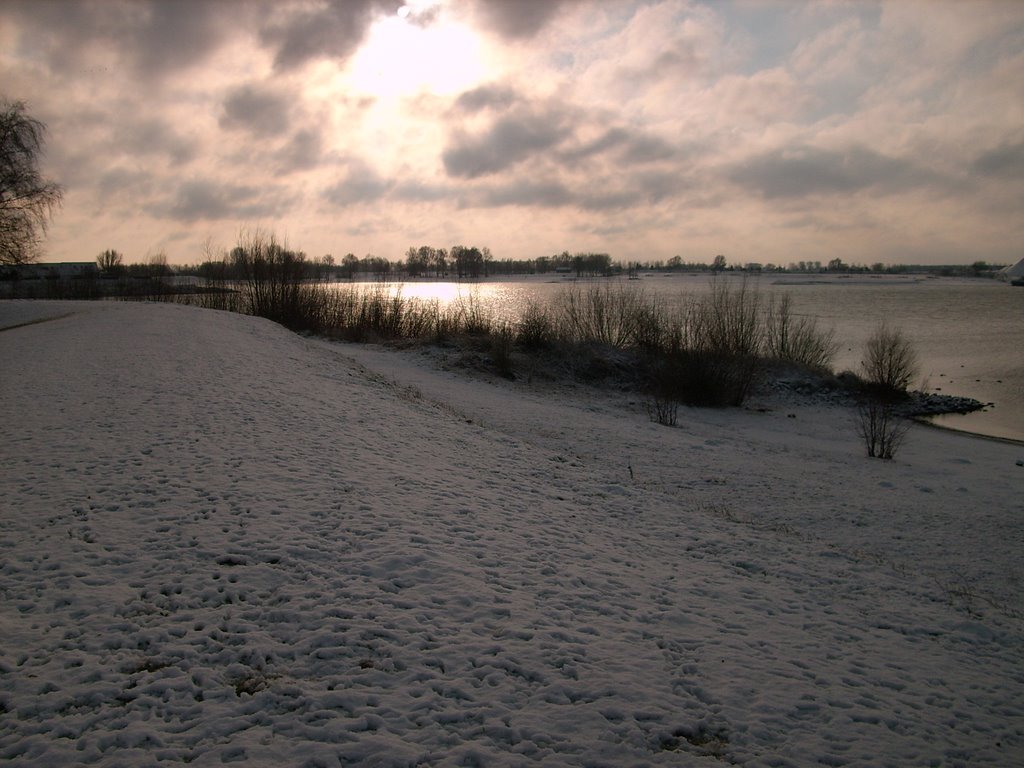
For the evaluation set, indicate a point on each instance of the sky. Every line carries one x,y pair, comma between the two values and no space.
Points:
768,132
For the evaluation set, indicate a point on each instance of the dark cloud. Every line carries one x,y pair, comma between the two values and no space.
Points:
602,194
205,200
423,17
527,192
419,192
260,111
519,19
331,30
520,129
627,146
176,35
122,183
551,166
360,184
810,171
603,200
656,185
151,137
509,141
647,149
155,37
1004,162
85,145
302,152
611,139
486,97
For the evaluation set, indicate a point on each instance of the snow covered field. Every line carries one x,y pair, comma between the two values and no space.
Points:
221,542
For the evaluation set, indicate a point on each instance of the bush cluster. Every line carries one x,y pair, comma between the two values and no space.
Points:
706,350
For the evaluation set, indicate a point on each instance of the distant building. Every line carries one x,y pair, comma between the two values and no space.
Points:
1013,272
62,270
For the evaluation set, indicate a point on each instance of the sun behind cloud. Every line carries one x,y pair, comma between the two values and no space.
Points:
402,56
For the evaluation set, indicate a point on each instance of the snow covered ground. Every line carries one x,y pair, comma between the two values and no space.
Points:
221,542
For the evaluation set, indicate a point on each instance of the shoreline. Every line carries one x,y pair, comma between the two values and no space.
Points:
44,310
926,421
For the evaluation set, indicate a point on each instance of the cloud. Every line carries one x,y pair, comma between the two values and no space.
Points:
360,184
210,200
527,192
654,58
552,153
806,171
333,30
261,111
1003,162
170,36
422,192
510,140
486,97
151,137
123,185
302,152
518,19
153,37
627,146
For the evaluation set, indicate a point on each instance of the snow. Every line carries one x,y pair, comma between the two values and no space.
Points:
224,542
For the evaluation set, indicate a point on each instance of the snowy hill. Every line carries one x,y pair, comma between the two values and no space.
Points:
223,542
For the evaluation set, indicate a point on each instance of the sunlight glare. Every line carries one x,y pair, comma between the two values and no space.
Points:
400,58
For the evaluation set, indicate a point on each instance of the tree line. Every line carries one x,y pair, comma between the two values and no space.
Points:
471,262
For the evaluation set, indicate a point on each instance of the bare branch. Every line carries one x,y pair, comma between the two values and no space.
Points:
27,200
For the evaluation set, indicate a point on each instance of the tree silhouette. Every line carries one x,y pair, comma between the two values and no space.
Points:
110,262
27,200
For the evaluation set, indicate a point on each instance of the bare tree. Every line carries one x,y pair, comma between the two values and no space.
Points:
110,261
350,265
27,200
157,264
890,361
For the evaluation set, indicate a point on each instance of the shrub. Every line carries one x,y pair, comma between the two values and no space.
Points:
664,412
711,378
601,314
720,343
501,349
474,317
441,324
881,427
665,390
728,320
890,362
653,330
535,329
889,366
798,339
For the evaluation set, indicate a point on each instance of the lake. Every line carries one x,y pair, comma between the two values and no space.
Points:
965,331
